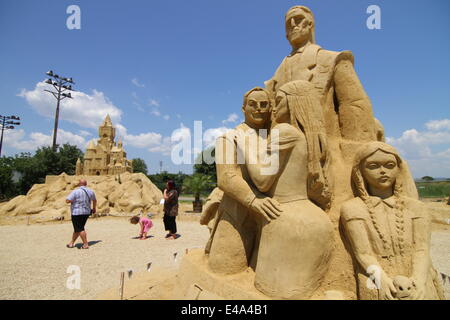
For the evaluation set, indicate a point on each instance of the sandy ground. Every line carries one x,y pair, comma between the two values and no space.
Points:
34,260
440,253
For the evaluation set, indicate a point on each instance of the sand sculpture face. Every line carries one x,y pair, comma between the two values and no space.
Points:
404,287
281,112
380,170
299,26
387,226
257,109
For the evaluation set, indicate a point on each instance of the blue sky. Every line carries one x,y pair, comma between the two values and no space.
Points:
158,66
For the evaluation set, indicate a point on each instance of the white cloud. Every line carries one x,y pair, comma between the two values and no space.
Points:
143,140
155,109
155,112
89,111
434,125
232,118
180,133
86,110
153,102
121,131
85,133
210,135
136,82
178,136
19,140
418,148
167,143
415,145
165,147
151,141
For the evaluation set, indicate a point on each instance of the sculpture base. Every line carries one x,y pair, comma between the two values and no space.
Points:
196,282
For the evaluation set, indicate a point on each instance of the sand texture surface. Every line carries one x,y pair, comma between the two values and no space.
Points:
34,260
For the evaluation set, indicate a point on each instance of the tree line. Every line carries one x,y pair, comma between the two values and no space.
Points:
20,172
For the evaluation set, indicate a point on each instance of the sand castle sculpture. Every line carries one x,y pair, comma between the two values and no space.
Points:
310,229
108,173
106,157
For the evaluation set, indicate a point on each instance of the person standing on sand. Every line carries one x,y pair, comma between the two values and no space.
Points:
170,209
80,207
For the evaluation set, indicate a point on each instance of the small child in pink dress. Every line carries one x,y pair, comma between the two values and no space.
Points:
145,224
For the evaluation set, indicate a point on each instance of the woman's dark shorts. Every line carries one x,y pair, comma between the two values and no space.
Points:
78,222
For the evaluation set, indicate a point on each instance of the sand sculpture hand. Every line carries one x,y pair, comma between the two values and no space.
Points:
387,290
419,292
267,207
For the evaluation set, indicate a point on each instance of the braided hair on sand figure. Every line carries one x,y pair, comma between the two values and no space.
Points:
361,189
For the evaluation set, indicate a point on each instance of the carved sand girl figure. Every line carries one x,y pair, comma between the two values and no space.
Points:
295,248
388,232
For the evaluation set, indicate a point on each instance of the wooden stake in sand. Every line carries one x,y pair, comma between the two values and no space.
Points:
444,277
200,289
175,257
122,284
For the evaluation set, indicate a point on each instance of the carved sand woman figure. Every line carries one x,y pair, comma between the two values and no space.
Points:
388,232
295,248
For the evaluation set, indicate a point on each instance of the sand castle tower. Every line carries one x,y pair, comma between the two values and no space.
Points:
106,156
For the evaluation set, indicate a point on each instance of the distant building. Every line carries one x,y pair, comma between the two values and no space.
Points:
106,157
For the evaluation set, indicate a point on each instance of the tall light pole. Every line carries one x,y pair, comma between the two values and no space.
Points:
6,123
60,85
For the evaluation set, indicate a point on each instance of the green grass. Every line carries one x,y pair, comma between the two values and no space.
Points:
185,201
438,189
190,195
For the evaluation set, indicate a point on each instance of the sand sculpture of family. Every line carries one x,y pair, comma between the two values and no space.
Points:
330,158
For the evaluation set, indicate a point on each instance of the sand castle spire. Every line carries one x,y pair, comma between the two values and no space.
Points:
91,145
107,121
78,167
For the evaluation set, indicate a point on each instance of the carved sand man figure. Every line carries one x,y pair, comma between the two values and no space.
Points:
346,106
295,248
347,110
389,233
242,208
